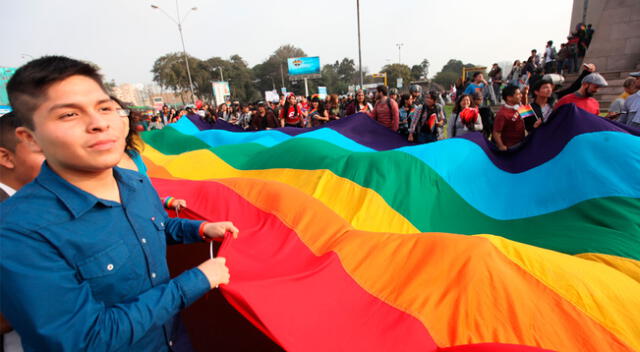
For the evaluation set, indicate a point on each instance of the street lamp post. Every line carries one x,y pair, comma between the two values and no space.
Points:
179,22
359,47
221,75
399,45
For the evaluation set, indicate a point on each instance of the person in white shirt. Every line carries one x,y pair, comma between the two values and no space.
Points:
19,165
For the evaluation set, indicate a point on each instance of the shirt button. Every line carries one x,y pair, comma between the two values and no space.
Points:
153,218
170,343
153,275
162,224
144,240
110,267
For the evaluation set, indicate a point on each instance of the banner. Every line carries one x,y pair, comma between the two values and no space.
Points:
221,91
302,66
5,75
271,96
322,92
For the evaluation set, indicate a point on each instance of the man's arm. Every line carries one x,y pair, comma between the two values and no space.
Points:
497,132
50,306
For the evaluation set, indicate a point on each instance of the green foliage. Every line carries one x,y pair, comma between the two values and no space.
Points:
395,71
446,78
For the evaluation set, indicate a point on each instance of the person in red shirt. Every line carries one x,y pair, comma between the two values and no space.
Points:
508,128
291,114
386,110
583,98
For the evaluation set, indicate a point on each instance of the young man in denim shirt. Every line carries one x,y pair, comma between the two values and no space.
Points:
84,245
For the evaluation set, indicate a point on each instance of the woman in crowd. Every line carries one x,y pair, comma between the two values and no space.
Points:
513,78
333,107
426,119
291,114
405,108
464,118
359,105
318,115
244,117
223,112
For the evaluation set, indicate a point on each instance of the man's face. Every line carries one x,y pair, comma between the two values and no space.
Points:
262,109
78,127
591,89
638,83
545,90
479,78
165,109
515,98
415,95
394,97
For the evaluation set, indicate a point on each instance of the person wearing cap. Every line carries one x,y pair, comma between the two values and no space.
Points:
583,98
416,92
393,94
631,110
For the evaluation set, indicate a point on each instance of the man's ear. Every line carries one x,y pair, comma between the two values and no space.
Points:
7,159
25,135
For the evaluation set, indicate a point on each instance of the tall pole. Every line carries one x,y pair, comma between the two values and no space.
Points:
221,75
359,47
399,45
306,88
178,22
184,52
282,75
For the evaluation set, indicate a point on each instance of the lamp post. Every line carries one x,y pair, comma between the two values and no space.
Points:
179,22
399,45
221,75
359,47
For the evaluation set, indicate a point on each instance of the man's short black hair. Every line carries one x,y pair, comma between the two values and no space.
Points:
534,50
536,86
28,85
550,42
8,124
509,91
382,89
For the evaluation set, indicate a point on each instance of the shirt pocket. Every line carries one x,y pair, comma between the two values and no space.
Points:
109,273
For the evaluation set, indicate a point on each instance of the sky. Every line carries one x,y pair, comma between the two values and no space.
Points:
125,37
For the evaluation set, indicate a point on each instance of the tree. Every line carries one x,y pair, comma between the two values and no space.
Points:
450,72
446,78
395,71
270,72
421,71
169,71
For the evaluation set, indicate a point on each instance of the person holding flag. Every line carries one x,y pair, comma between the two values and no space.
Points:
508,128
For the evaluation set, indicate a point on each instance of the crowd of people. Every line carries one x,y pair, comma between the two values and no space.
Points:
419,116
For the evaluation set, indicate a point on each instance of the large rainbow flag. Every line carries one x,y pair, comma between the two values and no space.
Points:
352,239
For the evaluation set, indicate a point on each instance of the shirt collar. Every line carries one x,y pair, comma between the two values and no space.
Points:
78,201
8,190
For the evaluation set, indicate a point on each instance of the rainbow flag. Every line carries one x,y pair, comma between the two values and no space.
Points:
351,239
526,111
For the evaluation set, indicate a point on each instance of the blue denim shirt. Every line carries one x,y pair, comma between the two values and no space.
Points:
82,273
